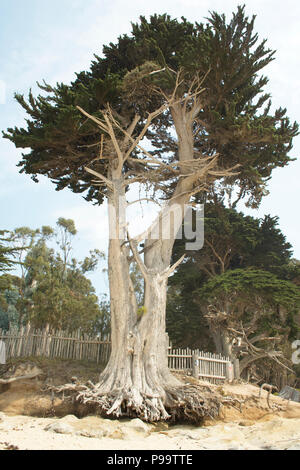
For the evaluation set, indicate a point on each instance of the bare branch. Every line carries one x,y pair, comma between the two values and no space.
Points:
114,141
138,259
144,199
135,142
93,118
130,129
108,182
172,268
216,254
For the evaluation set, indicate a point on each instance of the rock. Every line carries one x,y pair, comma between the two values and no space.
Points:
60,428
69,419
2,416
117,434
290,393
137,425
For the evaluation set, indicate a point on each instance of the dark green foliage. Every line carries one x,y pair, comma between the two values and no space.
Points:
252,301
233,243
235,119
245,285
234,240
7,253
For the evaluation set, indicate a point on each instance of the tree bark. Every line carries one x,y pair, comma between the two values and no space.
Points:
160,241
222,342
136,380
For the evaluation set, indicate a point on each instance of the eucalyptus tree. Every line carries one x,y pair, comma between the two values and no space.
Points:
194,92
7,253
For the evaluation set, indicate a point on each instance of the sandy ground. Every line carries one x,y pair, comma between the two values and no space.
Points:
255,427
246,422
91,433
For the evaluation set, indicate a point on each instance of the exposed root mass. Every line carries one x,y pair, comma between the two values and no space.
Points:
188,403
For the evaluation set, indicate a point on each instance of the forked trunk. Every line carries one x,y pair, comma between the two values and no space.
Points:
136,380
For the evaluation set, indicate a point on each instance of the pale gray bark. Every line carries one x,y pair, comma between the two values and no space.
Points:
137,372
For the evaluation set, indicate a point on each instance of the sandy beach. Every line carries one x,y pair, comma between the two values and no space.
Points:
252,426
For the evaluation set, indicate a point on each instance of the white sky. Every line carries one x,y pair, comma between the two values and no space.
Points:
52,40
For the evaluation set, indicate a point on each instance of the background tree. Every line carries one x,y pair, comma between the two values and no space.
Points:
8,255
232,241
240,253
252,316
52,289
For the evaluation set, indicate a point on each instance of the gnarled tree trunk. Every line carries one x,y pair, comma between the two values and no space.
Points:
136,380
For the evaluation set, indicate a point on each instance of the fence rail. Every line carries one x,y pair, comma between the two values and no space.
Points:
27,342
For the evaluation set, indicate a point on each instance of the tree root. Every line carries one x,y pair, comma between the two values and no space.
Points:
185,403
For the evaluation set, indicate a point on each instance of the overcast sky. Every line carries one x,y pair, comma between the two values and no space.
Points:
52,40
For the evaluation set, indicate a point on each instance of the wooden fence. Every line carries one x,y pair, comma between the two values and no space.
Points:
210,367
27,342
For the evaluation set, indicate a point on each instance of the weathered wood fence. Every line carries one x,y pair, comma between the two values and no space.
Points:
210,367
28,342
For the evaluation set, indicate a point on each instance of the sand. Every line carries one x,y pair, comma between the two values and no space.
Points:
71,433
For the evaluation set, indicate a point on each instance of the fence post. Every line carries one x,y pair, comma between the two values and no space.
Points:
2,352
229,371
195,366
236,369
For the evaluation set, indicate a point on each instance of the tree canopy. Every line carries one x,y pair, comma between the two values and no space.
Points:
234,120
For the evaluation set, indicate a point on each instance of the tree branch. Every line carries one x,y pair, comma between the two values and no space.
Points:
137,257
108,182
96,120
143,199
167,273
115,142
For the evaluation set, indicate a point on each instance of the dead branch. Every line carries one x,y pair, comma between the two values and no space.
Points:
108,182
93,118
167,273
21,377
137,257
143,199
115,142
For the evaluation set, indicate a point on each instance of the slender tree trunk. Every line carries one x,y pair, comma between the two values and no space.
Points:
222,342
